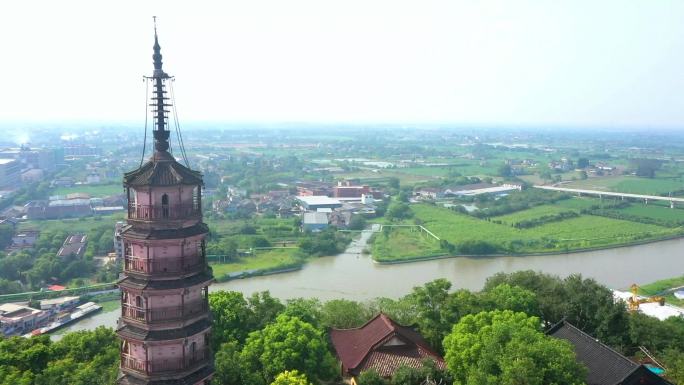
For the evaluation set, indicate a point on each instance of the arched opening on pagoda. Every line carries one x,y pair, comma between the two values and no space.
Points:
165,206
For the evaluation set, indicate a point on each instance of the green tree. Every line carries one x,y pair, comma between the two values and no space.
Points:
288,343
582,163
232,317
306,309
505,170
6,232
264,309
515,298
434,316
344,314
371,377
503,347
673,359
406,375
357,222
291,378
227,364
399,211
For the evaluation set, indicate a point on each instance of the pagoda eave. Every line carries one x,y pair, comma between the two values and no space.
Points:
134,284
133,333
197,377
162,234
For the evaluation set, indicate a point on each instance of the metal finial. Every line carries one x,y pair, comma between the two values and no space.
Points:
154,19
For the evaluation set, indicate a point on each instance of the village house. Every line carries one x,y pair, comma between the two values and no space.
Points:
24,239
314,189
314,221
383,345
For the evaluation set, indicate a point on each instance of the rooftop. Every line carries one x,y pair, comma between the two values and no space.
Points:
381,344
604,365
314,200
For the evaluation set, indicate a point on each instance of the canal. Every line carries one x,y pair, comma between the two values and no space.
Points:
354,276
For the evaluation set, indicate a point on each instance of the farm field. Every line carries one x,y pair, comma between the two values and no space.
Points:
405,179
561,236
272,228
531,214
578,203
655,212
403,243
96,191
262,260
73,224
629,184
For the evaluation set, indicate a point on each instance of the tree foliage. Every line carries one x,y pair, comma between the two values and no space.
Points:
291,378
504,347
288,343
371,377
79,358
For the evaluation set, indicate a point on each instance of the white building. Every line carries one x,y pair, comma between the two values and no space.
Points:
19,319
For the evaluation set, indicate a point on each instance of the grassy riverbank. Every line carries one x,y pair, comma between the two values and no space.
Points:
262,260
658,287
551,229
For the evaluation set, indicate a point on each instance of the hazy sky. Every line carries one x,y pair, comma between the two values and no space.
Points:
510,62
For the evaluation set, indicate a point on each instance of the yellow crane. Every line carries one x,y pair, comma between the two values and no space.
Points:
634,301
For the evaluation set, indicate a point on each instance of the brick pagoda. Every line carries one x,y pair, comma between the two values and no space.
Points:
165,324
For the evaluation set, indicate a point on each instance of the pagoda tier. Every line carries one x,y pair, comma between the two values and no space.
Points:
165,323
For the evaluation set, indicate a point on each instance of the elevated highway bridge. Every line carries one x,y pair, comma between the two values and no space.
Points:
602,194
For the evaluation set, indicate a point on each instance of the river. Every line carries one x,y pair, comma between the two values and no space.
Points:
354,276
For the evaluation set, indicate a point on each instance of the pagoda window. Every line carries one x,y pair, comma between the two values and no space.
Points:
165,206
193,351
195,197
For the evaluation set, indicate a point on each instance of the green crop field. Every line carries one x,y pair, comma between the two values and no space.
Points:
426,171
74,224
405,179
578,203
404,243
262,260
654,212
92,190
561,236
629,184
530,214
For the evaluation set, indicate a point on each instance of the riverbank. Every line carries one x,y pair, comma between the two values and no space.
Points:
463,235
665,288
550,253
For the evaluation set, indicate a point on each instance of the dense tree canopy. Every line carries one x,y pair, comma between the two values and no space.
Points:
291,378
288,343
508,348
79,358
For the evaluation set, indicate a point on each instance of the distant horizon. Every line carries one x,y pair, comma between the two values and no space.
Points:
565,63
196,124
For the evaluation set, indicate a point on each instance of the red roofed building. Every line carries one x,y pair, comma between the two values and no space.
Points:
382,345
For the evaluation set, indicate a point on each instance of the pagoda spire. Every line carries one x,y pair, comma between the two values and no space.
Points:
159,101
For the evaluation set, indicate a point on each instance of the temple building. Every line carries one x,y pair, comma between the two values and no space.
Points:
165,323
382,345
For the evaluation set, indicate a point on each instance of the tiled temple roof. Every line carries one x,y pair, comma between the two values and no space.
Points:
162,172
371,346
